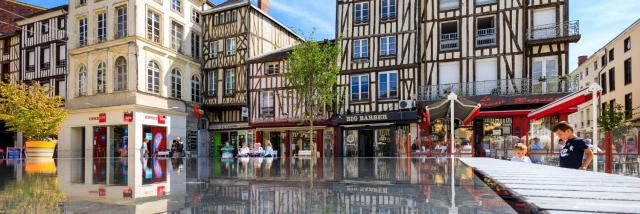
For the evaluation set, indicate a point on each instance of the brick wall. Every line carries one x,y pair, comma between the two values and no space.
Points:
16,7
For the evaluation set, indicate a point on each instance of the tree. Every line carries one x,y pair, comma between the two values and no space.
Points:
313,72
28,109
613,123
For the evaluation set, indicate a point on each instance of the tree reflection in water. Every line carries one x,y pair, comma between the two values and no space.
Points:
34,193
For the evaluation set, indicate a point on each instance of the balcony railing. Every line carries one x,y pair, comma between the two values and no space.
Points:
505,87
485,37
449,41
551,31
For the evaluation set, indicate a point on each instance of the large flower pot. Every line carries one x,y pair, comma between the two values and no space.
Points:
40,149
40,165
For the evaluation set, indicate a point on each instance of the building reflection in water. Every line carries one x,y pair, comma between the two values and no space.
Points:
268,185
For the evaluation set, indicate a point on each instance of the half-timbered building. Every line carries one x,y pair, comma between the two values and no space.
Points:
505,54
10,56
43,49
236,30
273,113
379,72
134,74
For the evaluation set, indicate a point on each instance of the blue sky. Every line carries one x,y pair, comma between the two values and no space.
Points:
600,21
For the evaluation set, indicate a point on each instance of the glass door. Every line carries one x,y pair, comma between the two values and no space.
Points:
544,76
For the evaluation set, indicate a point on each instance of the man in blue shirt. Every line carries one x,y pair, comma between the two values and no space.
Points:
575,149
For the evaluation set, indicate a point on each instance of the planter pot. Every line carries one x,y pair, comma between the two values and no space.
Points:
40,149
40,165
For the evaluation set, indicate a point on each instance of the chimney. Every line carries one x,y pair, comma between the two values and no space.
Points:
582,59
264,6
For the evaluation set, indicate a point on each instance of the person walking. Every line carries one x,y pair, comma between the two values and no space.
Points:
179,147
575,153
144,149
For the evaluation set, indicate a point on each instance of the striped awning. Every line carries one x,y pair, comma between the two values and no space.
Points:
563,104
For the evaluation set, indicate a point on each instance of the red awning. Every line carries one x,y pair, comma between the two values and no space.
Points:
503,113
564,104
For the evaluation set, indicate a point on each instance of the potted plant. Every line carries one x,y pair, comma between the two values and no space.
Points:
29,110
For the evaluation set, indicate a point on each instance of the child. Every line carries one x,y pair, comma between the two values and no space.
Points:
521,150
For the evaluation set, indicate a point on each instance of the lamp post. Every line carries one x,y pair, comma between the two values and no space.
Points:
595,89
452,98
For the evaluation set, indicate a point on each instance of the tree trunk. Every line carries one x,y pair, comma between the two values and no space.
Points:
608,142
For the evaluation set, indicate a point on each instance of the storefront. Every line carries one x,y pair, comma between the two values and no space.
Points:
107,132
376,135
295,141
235,134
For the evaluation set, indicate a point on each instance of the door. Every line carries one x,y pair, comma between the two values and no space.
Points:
448,78
544,23
544,77
486,76
365,142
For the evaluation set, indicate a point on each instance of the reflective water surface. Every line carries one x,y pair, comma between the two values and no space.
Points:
245,185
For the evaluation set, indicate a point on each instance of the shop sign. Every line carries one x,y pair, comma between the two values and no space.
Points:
372,117
101,118
128,117
13,153
351,138
228,126
496,100
162,119
160,191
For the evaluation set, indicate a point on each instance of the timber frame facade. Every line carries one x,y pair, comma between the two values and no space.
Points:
43,49
482,49
235,31
9,58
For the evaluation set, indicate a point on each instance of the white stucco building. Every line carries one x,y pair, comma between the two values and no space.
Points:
134,73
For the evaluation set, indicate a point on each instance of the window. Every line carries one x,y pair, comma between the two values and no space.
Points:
361,13
611,56
121,22
82,81
82,2
449,4
449,36
485,32
212,78
388,9
388,85
267,108
483,2
545,75
102,27
195,88
360,49
195,16
612,79
153,77
30,30
176,5
627,72
230,46
6,47
603,60
176,36
121,74
31,60
612,103
628,106
45,58
195,45
222,18
82,37
273,68
153,26
229,81
603,82
176,84
595,64
214,49
62,23
627,44
360,87
586,71
388,46
44,27
100,78
603,108
61,53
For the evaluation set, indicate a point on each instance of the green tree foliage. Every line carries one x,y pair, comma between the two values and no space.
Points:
34,193
28,109
611,118
313,71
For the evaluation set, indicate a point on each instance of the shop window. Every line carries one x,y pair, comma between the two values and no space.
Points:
350,143
118,163
99,155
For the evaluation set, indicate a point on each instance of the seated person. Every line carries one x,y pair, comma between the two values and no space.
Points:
244,151
227,150
268,151
257,150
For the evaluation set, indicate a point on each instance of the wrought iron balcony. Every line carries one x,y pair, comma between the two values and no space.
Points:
485,37
568,31
449,41
504,87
